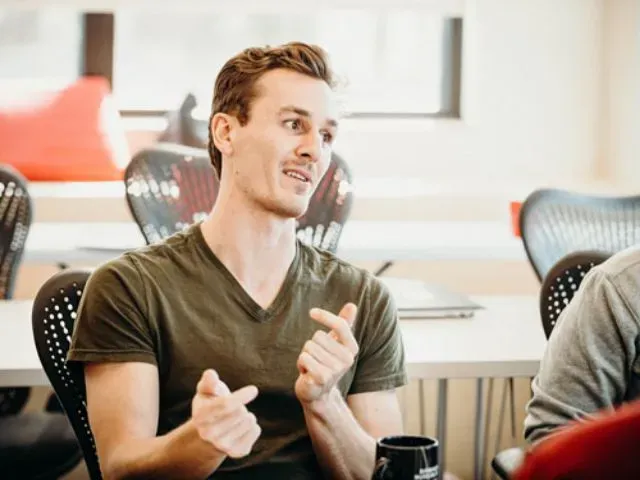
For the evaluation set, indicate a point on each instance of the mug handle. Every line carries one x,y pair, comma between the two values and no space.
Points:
379,472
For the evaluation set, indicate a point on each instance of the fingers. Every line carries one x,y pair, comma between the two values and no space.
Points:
224,421
234,436
241,439
319,373
349,313
246,394
215,410
327,351
340,327
212,431
208,382
331,345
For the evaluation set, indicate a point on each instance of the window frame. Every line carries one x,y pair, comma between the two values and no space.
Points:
98,59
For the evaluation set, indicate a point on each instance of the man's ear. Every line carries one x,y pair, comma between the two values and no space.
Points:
222,126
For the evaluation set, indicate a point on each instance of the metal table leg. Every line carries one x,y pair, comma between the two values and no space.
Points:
479,432
441,426
421,406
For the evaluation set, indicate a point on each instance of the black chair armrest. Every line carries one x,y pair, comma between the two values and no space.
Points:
507,462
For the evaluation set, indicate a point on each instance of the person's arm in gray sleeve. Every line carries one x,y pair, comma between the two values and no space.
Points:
588,359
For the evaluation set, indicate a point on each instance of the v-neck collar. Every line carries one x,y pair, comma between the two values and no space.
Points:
244,298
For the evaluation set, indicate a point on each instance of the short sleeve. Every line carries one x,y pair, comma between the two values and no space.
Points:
380,364
588,360
111,325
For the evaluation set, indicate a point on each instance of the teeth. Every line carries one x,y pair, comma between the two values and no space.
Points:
296,175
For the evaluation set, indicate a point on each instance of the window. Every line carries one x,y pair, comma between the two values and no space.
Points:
394,63
43,45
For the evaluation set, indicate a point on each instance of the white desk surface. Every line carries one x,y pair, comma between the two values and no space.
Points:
51,243
503,340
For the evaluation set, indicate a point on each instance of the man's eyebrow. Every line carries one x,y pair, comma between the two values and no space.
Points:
305,113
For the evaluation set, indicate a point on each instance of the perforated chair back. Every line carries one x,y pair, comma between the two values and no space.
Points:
562,282
16,209
555,223
329,207
53,317
168,188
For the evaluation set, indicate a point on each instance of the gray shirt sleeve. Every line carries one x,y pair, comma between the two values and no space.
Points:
590,356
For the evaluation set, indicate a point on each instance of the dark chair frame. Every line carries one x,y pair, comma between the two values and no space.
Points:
576,264
15,223
52,329
617,207
142,206
330,206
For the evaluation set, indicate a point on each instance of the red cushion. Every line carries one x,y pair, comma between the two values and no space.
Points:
605,447
74,136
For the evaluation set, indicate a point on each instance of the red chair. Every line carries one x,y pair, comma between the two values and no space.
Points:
604,447
75,135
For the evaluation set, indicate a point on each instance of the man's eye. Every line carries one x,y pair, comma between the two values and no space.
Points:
293,124
328,138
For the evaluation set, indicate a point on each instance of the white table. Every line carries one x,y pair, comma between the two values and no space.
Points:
505,339
52,243
19,362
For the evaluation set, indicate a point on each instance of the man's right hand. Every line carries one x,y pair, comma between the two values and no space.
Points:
221,417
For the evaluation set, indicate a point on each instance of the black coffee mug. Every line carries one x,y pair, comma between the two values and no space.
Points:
407,457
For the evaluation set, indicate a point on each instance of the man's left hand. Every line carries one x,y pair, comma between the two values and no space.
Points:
328,355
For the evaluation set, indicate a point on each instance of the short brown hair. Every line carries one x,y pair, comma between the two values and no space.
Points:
234,88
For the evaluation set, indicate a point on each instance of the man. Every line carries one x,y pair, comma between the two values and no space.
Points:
231,349
591,362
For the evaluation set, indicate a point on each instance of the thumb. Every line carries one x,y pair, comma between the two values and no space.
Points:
210,384
349,313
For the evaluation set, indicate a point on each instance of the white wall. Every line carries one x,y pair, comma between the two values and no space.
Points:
622,46
532,86
551,96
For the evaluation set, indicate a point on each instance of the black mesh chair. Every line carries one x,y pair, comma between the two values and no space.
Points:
37,445
183,128
562,282
329,207
54,312
168,188
16,209
558,289
554,223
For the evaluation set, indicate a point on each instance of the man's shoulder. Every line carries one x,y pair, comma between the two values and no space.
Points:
147,260
328,268
623,268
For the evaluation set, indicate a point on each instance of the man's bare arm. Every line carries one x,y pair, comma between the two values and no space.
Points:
344,434
123,407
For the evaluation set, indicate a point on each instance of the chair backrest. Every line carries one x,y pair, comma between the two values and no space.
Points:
16,209
562,282
554,223
329,207
54,312
183,128
168,188
15,220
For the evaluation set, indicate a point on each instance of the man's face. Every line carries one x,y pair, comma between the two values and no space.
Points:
283,151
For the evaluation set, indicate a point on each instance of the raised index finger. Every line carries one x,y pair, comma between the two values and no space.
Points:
340,327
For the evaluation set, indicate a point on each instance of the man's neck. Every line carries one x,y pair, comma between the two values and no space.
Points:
255,247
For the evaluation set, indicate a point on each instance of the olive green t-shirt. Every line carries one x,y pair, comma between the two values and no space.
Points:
176,306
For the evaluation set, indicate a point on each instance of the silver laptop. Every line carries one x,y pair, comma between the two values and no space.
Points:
419,300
